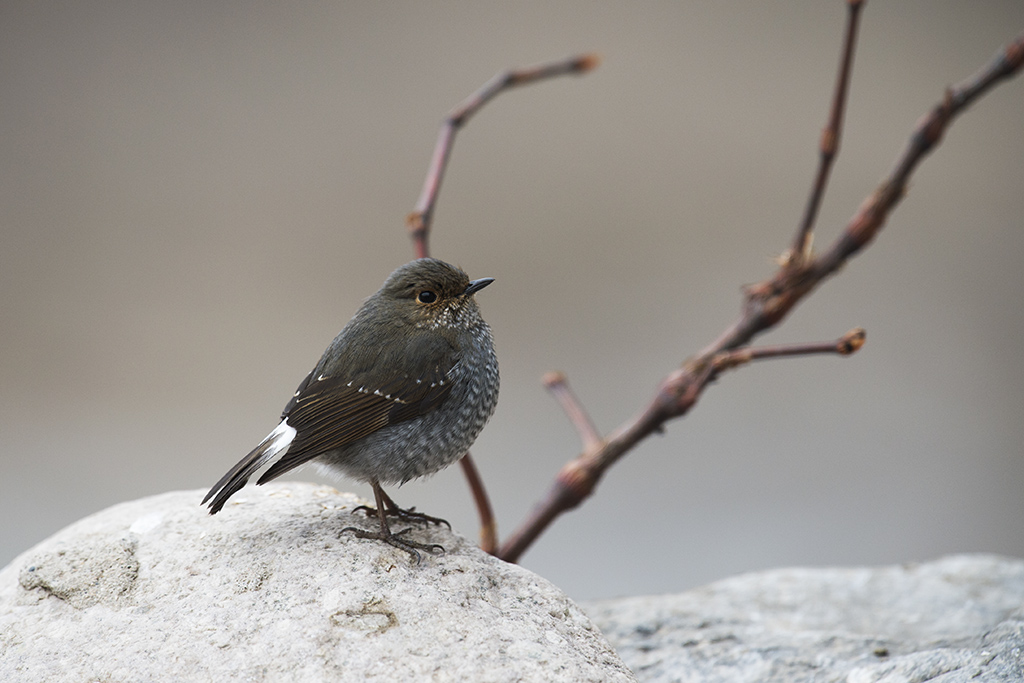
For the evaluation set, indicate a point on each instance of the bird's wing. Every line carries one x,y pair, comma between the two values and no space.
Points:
329,412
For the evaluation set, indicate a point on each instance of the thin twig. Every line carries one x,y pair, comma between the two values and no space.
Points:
765,306
420,219
488,523
848,344
829,145
558,385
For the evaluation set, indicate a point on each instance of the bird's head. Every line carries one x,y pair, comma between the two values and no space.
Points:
432,294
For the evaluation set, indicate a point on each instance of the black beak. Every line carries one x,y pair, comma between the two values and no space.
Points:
476,285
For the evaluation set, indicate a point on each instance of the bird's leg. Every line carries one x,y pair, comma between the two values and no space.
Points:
385,535
406,515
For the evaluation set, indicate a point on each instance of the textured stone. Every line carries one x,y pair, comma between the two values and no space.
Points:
156,590
957,619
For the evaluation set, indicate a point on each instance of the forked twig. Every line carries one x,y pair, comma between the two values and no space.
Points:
420,220
678,393
765,306
768,302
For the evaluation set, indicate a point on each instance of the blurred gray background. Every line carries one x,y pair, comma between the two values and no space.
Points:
195,197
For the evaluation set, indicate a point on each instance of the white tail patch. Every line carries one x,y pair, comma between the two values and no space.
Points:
276,443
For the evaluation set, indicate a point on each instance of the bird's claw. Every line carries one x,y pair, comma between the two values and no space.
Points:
394,540
405,515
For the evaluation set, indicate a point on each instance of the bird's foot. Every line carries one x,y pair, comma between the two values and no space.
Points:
406,515
396,540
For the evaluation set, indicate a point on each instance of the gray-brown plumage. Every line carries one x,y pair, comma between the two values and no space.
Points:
401,392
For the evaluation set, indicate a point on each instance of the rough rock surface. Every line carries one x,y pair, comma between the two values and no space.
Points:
156,590
957,619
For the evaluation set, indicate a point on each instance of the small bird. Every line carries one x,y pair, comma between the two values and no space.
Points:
401,392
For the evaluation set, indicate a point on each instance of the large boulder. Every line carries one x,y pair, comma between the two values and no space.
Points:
954,620
267,590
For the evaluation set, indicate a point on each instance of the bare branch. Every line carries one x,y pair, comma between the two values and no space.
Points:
847,345
558,385
420,219
829,146
678,393
766,305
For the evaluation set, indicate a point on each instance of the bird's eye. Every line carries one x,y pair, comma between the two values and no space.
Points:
426,297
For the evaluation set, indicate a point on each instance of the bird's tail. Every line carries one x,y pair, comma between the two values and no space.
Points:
276,443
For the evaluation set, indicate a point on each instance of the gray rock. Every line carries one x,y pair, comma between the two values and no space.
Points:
957,619
156,590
